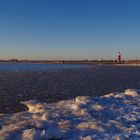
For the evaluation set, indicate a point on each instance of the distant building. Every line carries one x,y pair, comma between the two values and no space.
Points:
119,57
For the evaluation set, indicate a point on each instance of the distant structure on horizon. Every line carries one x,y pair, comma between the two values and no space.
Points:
119,58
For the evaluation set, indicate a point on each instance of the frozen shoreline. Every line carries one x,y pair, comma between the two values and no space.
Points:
115,116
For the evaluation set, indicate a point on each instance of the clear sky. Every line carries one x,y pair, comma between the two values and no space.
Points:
69,29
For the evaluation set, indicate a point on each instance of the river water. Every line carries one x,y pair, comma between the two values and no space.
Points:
17,67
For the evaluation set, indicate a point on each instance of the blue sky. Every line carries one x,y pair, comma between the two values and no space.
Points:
69,29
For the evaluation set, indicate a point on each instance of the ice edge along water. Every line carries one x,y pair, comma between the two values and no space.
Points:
115,116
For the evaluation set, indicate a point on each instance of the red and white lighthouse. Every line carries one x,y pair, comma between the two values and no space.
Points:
119,57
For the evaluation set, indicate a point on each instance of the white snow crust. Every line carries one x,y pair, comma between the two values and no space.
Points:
115,116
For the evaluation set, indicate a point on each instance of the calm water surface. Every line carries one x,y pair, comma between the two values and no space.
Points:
16,67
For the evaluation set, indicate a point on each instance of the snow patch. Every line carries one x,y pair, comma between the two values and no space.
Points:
115,116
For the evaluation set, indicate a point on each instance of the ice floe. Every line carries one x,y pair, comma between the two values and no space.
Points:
115,116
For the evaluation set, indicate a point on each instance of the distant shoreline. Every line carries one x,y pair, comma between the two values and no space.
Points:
108,62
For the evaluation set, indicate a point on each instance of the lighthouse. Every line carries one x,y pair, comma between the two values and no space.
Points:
119,58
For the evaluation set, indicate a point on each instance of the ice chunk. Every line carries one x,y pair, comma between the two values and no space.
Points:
90,125
35,106
97,107
31,134
82,99
131,92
